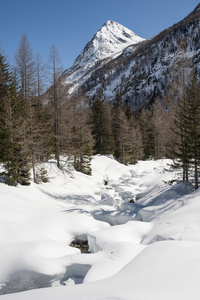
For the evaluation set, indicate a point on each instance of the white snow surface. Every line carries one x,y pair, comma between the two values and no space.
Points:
149,249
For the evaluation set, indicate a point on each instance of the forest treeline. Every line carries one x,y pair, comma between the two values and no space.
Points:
38,120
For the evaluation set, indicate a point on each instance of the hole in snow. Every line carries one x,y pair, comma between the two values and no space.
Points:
80,242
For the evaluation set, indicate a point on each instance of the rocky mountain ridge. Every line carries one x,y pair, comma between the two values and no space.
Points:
108,43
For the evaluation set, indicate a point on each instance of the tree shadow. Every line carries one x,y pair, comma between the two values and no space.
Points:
73,198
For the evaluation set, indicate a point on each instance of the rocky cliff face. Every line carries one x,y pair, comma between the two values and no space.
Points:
141,70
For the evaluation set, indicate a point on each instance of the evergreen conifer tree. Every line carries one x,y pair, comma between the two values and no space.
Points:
117,121
147,133
55,92
102,131
182,152
193,120
4,90
187,123
14,155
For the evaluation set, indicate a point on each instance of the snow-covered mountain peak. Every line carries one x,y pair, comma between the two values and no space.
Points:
111,39
117,33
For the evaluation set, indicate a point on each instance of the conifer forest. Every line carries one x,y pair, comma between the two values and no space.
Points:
39,121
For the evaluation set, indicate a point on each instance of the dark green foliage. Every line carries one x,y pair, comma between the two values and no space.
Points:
147,134
187,121
55,94
4,76
83,162
83,151
117,122
104,142
115,130
4,90
182,152
42,175
13,152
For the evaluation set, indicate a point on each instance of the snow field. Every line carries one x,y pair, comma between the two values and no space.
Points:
144,250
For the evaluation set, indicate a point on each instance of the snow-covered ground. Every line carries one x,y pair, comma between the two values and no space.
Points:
144,250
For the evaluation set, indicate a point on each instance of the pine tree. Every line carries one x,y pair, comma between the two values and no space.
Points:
55,93
14,155
4,90
82,159
118,118
182,152
135,150
38,136
187,122
146,133
193,120
102,131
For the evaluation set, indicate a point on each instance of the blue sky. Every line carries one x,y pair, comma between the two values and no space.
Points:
71,24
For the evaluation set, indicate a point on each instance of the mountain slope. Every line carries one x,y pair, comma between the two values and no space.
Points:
144,70
110,40
108,43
